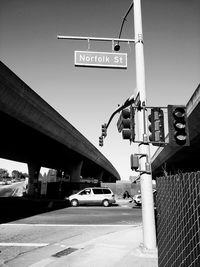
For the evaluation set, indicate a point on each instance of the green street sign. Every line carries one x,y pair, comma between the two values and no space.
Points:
100,59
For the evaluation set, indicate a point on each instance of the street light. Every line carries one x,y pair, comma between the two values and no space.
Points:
117,47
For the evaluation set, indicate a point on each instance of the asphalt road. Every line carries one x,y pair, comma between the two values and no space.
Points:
13,190
26,241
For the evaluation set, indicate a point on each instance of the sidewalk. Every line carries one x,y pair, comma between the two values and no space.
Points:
128,202
118,249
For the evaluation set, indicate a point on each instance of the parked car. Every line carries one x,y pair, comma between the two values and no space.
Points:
92,196
138,199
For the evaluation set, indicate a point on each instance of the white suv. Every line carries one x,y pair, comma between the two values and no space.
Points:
93,196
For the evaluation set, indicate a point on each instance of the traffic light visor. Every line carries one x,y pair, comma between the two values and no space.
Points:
126,134
181,136
125,113
179,112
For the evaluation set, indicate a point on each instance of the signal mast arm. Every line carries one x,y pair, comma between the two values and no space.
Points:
126,104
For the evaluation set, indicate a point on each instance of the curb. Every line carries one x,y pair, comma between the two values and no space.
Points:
102,251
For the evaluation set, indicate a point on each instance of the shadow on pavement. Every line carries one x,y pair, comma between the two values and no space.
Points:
15,208
136,207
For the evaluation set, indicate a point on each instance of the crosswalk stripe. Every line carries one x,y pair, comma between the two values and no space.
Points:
23,244
65,225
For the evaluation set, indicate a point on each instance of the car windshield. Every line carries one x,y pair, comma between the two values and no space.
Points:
85,192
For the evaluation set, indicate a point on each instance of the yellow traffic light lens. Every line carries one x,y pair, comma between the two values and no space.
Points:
126,134
179,125
181,137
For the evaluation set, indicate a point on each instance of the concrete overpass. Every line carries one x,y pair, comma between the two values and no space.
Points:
184,159
34,133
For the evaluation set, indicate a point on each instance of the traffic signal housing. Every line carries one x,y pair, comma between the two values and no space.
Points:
134,159
101,141
178,125
126,123
156,126
104,129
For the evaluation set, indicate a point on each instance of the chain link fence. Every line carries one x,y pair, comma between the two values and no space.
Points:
178,220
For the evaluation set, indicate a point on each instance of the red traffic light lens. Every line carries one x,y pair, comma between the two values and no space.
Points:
179,112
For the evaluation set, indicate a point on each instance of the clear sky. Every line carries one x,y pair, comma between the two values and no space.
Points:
86,97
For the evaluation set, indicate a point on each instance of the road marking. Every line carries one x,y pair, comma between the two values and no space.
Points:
24,244
42,263
67,225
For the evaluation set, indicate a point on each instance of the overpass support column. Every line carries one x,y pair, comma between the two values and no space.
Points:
34,170
99,175
75,172
110,179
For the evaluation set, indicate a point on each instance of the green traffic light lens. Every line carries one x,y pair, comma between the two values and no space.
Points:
181,138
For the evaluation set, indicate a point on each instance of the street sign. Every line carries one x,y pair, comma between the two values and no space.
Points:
100,59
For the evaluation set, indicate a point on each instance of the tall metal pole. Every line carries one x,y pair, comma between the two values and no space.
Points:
149,233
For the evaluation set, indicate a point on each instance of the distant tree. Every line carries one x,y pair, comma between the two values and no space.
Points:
15,174
19,175
3,174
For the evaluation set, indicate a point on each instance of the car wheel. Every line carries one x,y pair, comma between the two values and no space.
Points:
106,203
74,203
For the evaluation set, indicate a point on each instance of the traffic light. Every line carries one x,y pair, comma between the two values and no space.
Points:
101,141
178,125
126,123
156,126
134,162
104,130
